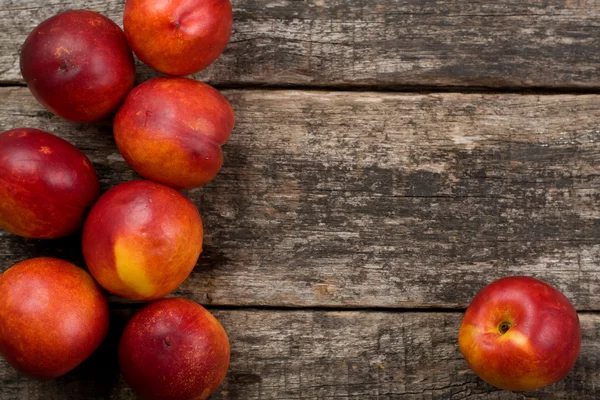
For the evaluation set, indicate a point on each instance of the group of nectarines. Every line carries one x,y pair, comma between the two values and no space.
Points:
140,239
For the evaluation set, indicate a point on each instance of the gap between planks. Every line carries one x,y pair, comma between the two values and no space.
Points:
123,304
420,89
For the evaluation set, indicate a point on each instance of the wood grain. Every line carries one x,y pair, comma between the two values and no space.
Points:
326,355
377,200
377,43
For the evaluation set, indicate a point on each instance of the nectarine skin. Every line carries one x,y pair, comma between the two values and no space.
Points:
170,130
520,334
178,37
46,184
52,317
78,65
174,349
142,239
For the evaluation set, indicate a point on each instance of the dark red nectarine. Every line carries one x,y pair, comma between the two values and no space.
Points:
142,239
78,65
46,184
178,37
52,317
174,349
170,130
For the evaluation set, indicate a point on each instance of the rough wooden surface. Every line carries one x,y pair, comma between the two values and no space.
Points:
385,43
327,355
366,200
378,200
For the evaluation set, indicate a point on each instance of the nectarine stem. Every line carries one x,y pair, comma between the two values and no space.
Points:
504,327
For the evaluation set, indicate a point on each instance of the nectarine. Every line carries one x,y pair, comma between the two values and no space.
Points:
46,184
178,37
142,239
170,130
78,65
52,317
520,334
174,349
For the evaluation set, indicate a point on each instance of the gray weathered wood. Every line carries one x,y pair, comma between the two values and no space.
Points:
327,355
386,43
378,200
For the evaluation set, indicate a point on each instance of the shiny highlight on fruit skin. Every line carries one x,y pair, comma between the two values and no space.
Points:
142,239
520,334
170,130
46,184
174,349
53,316
178,37
78,65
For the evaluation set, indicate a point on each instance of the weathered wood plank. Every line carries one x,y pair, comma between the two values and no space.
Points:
327,355
378,200
386,43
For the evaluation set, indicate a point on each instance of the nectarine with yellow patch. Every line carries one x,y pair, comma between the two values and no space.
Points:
142,239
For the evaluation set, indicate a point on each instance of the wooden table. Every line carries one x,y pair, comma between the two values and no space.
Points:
391,158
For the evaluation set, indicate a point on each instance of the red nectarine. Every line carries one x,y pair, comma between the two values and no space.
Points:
174,349
170,130
178,37
46,184
520,334
52,317
78,65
